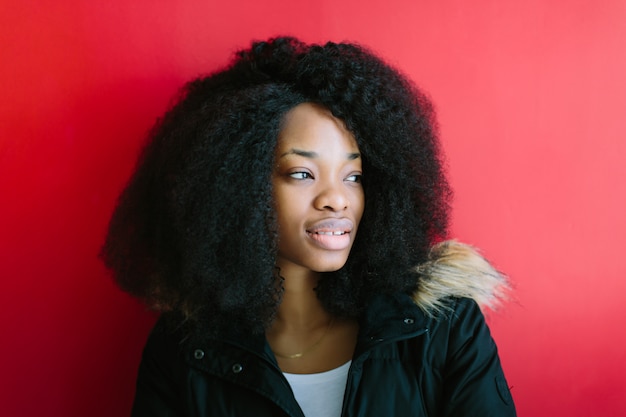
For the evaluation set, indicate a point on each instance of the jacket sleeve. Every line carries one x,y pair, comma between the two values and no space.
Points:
474,383
157,389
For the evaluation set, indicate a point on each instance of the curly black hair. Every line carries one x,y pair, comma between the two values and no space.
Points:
195,229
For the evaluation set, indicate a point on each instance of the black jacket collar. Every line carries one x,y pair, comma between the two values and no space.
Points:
387,318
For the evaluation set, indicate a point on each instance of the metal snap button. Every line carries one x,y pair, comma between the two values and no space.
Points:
237,368
198,354
409,321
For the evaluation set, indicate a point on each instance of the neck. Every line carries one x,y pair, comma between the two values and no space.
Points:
300,308
305,338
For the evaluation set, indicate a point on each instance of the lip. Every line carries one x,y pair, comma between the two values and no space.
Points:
331,234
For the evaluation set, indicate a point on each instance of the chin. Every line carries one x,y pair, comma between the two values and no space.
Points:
329,266
315,262
329,269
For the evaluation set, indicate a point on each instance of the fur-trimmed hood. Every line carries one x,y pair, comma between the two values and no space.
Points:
455,269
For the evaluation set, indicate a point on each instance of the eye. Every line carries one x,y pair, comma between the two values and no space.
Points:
300,175
354,178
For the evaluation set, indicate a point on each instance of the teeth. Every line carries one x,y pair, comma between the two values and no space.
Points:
331,233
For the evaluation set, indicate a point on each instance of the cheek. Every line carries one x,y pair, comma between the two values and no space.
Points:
288,212
359,204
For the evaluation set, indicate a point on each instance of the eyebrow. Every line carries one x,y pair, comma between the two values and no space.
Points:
312,155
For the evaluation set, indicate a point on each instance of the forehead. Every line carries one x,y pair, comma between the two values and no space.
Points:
311,125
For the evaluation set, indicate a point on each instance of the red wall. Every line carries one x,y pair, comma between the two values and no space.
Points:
531,98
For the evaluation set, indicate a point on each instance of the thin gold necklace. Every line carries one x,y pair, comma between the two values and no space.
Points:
310,348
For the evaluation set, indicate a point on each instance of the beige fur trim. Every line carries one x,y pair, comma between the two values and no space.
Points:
455,269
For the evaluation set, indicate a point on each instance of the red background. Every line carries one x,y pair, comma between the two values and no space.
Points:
531,97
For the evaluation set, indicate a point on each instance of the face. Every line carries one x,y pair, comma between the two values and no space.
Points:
317,191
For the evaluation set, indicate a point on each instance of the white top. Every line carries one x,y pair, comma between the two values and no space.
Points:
320,395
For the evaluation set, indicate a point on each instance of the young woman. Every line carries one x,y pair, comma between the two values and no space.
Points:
288,216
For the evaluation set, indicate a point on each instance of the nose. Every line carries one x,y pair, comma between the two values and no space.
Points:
332,197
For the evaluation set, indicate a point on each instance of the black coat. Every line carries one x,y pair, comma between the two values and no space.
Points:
406,363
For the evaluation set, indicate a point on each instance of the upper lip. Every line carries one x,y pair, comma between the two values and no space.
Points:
331,226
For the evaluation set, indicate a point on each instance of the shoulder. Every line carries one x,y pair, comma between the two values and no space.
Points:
161,372
461,321
398,316
167,341
465,358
